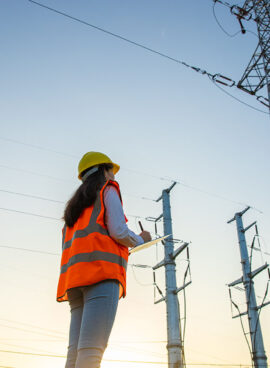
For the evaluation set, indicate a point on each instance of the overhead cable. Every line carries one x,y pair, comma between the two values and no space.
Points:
220,26
49,217
237,99
30,331
128,361
35,173
224,30
33,326
139,173
31,196
217,77
62,202
29,213
29,250
37,147
143,198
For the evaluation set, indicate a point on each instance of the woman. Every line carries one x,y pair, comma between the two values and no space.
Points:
94,259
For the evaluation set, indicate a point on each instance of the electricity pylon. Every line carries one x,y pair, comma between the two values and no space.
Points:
257,73
258,353
176,358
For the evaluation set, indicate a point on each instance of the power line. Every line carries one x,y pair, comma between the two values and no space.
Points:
143,198
237,99
29,213
29,331
29,250
25,347
125,169
31,196
32,326
66,154
220,26
113,34
127,361
38,147
62,202
52,218
224,30
35,173
219,78
217,196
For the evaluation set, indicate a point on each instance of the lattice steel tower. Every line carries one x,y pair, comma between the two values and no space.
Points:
257,73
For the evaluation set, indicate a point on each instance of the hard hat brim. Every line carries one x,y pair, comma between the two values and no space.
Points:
115,168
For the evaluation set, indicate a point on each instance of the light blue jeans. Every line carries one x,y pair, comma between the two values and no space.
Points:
93,309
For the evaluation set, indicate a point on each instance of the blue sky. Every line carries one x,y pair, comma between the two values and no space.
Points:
68,89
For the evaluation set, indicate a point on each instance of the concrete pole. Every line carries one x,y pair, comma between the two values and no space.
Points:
258,353
174,346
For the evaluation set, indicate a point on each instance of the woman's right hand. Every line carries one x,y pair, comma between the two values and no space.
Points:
146,236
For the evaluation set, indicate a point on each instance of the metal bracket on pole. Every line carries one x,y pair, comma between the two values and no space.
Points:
179,250
164,262
158,265
248,227
236,282
263,305
160,300
251,275
240,315
182,287
154,219
258,270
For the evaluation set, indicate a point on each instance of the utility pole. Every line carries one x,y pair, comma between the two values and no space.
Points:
258,353
257,73
174,336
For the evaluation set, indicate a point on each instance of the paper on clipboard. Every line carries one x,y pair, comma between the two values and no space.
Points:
148,244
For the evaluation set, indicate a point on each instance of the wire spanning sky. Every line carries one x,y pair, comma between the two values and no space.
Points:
67,89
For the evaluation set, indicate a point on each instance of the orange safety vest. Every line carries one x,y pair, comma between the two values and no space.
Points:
89,254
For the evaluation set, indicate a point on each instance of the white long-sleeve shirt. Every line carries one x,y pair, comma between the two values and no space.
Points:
115,220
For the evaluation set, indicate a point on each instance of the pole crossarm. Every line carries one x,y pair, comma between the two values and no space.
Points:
258,270
179,250
263,305
160,300
182,287
160,264
250,275
240,315
239,214
249,226
236,282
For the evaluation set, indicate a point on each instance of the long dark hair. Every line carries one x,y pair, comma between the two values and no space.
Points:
85,195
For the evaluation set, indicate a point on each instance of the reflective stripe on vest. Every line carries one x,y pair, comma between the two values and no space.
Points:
96,255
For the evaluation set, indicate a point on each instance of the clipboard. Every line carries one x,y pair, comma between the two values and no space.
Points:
148,244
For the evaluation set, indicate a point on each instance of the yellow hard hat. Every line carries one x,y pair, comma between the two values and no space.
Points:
95,158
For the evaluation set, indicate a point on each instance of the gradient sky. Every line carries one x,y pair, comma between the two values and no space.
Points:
67,89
